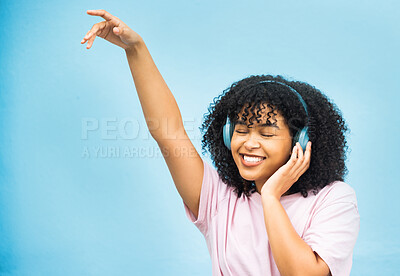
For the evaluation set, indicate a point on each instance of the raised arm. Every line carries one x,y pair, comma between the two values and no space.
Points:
159,107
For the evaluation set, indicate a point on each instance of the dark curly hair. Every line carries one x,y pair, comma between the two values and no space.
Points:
327,129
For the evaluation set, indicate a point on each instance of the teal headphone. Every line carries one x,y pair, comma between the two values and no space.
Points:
301,135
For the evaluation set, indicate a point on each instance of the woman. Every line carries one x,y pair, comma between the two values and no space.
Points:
268,208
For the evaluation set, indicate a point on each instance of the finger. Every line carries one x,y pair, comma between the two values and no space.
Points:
86,37
299,160
301,154
117,30
106,15
306,161
90,42
89,38
95,31
293,157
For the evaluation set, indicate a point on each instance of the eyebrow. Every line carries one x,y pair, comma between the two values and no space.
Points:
262,125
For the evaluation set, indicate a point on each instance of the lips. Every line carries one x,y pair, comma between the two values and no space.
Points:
252,160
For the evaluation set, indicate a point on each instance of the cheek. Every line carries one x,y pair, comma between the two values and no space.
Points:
236,142
281,148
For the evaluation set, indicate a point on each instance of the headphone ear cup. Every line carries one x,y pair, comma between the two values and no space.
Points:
302,138
227,133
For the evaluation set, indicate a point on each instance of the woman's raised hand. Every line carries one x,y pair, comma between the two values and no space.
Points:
112,30
281,181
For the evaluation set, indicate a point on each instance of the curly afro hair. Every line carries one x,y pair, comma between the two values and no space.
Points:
327,129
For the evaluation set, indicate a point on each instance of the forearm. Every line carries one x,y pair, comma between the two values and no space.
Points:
292,255
160,109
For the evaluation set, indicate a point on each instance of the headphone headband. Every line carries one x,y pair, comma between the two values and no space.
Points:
292,89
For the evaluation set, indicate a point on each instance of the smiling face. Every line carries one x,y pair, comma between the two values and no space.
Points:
261,149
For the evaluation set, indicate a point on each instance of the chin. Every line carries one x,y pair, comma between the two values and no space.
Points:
251,177
245,177
248,177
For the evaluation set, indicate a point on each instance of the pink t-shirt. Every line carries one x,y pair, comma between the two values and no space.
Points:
237,239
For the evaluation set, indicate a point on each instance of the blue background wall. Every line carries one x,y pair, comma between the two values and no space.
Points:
64,213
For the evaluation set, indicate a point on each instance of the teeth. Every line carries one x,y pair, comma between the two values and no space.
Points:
252,159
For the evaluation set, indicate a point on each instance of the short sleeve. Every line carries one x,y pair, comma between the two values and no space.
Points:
208,199
334,229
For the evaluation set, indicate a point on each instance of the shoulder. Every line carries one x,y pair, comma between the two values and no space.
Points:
210,170
338,192
215,184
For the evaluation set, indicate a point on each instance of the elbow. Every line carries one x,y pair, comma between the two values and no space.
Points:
317,269
306,273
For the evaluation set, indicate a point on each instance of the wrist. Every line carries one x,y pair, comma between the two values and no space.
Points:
268,196
135,47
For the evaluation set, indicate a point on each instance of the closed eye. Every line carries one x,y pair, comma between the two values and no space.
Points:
244,132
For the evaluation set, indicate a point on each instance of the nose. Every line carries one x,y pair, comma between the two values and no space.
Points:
252,142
